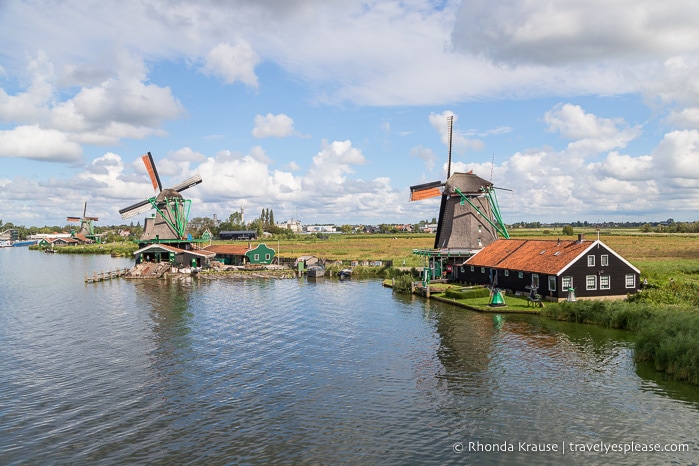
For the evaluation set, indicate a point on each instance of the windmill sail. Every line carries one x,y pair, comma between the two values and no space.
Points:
426,191
171,210
152,172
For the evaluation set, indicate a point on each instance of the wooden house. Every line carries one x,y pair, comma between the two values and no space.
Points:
234,254
261,254
552,267
175,256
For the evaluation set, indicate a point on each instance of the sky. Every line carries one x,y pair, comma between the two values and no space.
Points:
327,111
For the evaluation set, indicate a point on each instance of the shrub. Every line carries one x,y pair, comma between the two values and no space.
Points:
473,293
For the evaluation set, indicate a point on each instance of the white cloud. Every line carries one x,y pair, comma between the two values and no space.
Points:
677,154
590,133
233,63
34,142
564,31
273,126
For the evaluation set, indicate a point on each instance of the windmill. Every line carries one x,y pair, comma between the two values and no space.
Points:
86,224
469,216
171,210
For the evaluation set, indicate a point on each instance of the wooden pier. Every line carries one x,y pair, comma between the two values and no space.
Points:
102,276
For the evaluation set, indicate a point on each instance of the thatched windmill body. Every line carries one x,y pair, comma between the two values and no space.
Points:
86,224
469,216
169,224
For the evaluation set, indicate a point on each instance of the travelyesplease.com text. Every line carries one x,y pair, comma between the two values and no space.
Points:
568,447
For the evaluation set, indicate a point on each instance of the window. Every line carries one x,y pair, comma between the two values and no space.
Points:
461,269
257,257
604,282
630,281
482,269
566,283
591,282
535,280
552,283
520,275
472,269
507,273
267,256
480,243
604,260
590,260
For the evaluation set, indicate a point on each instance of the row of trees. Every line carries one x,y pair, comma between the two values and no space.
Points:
265,223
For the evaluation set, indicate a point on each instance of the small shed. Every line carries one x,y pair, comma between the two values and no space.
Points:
304,262
552,267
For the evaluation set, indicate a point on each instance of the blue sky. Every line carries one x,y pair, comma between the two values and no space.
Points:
327,111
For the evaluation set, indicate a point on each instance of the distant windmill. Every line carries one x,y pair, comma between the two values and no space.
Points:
171,209
469,216
86,223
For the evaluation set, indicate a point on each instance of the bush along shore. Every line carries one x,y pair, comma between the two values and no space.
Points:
665,319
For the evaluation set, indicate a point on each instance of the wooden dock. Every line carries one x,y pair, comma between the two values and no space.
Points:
103,276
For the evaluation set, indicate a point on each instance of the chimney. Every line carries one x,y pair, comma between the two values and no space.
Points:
581,237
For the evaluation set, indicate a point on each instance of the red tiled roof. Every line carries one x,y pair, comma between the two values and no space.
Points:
230,249
541,256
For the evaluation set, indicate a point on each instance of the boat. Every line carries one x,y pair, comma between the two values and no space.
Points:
23,243
345,273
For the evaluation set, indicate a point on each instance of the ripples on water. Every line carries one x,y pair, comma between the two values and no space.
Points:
222,371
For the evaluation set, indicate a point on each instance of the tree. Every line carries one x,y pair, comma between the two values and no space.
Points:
568,230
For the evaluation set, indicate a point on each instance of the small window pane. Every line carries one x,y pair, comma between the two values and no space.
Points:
591,282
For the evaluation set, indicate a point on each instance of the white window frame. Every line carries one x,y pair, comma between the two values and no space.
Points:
507,273
630,280
604,260
482,269
568,280
591,260
520,275
552,282
591,282
535,280
605,282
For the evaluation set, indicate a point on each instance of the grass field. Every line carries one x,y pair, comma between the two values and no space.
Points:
658,256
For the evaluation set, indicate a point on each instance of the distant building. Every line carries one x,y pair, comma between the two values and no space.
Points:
292,225
240,235
321,228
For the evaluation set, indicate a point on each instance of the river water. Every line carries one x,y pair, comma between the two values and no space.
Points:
263,371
